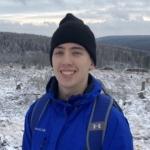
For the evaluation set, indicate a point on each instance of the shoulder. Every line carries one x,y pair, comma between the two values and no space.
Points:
37,103
117,121
29,111
118,134
117,116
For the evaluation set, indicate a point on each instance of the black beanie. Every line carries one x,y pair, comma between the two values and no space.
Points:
72,29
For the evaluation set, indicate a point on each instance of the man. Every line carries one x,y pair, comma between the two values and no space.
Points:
72,95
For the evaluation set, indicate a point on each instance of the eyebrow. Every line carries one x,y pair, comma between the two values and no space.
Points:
77,47
60,47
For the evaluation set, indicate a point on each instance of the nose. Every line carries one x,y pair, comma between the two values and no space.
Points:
67,59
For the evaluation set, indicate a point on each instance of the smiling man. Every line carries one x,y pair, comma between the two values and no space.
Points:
75,113
71,64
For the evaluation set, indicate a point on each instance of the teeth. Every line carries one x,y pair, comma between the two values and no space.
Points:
67,72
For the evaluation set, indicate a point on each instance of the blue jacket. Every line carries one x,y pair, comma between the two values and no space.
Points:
63,125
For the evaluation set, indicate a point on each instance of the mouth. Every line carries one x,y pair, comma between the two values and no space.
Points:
67,72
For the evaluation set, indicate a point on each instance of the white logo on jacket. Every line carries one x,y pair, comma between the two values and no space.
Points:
40,129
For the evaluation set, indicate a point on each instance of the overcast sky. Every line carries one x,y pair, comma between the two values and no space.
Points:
105,17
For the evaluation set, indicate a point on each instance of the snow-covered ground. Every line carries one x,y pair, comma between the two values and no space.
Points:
20,87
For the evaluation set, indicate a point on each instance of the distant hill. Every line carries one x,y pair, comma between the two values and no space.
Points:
24,48
29,49
109,56
124,51
138,42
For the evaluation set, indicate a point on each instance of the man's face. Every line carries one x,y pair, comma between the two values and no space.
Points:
71,64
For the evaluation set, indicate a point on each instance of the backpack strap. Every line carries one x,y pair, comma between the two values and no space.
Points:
98,122
38,110
105,92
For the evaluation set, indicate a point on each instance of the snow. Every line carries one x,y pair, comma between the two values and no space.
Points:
19,87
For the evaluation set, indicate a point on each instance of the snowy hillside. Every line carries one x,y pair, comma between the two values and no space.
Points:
19,87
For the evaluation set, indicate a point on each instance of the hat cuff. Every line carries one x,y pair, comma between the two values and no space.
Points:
75,33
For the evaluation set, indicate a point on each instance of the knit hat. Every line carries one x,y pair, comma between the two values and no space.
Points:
72,29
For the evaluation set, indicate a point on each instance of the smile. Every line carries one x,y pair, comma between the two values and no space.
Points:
67,72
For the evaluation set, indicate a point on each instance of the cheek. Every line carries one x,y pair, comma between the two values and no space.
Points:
85,69
88,65
55,66
55,61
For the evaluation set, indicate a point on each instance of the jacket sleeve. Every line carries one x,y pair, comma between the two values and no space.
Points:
119,135
27,134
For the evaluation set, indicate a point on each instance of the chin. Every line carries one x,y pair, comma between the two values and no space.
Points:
67,84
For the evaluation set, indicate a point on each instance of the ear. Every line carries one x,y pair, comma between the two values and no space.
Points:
92,66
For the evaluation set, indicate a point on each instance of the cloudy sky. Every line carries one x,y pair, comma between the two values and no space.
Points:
105,17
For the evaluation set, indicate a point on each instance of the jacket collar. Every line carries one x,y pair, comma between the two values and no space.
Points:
89,94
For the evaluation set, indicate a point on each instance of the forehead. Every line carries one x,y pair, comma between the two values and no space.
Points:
71,46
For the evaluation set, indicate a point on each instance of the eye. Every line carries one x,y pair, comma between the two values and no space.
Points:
77,53
58,52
